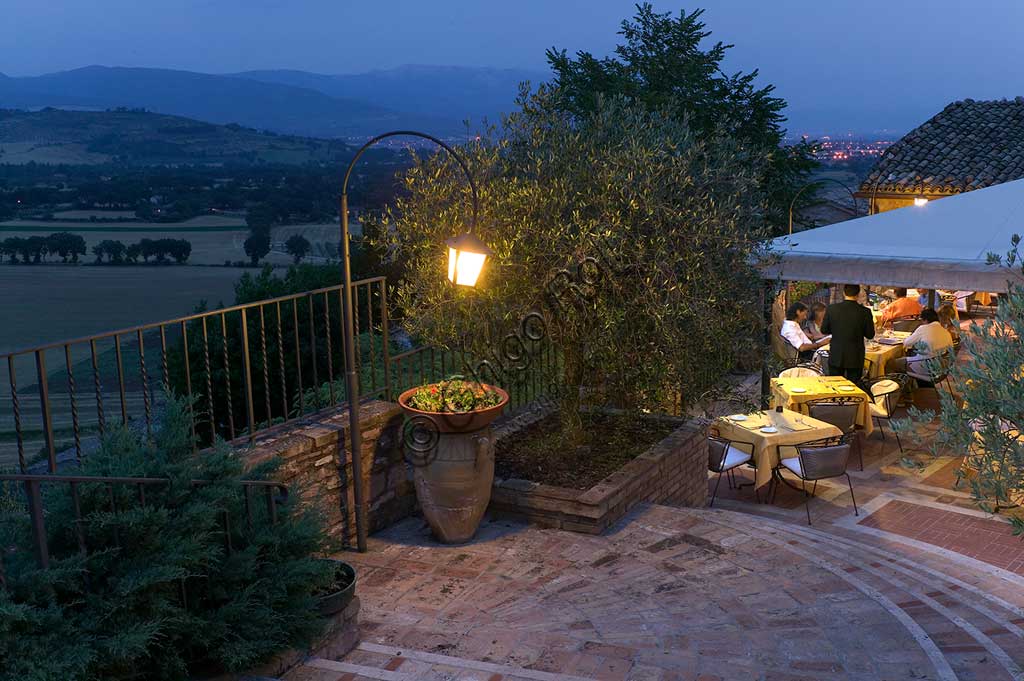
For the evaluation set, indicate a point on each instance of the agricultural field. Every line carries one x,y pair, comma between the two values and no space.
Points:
44,303
214,238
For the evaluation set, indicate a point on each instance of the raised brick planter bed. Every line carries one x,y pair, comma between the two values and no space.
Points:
674,472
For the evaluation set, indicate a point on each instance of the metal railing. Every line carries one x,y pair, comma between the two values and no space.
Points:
273,493
243,368
527,377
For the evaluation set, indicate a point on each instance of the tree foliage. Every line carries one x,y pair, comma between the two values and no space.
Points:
298,247
257,245
158,596
630,233
985,417
662,65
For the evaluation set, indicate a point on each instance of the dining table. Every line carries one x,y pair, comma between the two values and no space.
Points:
795,393
881,350
764,433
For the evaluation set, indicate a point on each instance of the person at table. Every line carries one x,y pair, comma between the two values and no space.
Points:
903,306
929,340
948,319
849,323
794,334
812,325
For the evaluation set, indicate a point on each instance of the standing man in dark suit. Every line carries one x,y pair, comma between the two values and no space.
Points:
850,323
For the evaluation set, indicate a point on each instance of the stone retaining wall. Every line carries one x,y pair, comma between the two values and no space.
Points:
673,472
314,461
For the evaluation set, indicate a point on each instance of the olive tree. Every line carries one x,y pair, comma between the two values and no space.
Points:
983,417
628,239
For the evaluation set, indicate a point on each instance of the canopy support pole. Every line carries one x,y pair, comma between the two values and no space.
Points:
767,303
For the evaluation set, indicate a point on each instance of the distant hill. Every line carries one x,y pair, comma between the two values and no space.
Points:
136,137
218,99
457,93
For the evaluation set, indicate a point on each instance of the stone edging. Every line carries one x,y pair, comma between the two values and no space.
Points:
673,471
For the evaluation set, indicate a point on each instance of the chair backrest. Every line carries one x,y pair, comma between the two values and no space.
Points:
884,391
841,412
804,370
783,349
906,325
931,368
717,448
818,463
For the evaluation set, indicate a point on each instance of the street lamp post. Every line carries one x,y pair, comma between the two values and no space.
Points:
815,183
466,257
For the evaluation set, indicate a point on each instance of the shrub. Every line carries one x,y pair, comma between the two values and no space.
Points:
986,417
159,596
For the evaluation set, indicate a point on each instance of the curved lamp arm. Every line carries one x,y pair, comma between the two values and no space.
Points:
351,380
813,184
422,135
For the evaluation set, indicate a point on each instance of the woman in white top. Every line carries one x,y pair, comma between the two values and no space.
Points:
794,334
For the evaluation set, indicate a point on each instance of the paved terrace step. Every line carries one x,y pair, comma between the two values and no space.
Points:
961,625
396,663
678,594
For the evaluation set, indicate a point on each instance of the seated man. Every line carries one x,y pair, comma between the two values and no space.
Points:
929,340
794,334
901,307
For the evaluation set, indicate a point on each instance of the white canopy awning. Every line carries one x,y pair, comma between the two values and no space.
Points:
941,245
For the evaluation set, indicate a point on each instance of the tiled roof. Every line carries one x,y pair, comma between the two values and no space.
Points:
968,145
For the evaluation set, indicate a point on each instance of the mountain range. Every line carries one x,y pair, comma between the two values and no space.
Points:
433,98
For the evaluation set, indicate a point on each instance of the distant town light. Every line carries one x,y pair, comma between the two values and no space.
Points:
920,200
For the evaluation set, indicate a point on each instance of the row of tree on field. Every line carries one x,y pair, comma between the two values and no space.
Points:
70,247
160,250
34,249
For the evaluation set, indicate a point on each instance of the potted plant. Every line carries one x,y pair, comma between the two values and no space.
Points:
449,436
335,596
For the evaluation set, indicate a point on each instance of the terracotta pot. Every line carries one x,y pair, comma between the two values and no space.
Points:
454,478
453,484
446,422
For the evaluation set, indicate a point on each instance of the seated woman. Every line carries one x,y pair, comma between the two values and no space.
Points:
812,326
795,336
948,319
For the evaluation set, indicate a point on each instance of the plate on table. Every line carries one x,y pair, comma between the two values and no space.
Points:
769,429
737,417
846,388
798,390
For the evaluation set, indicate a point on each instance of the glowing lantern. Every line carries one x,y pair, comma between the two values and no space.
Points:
920,201
466,258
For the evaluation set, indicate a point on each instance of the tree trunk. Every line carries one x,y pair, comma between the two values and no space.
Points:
569,402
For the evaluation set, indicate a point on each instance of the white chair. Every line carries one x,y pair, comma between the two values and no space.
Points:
803,370
885,392
723,457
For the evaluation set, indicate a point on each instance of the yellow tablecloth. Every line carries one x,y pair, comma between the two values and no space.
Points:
879,354
819,387
793,428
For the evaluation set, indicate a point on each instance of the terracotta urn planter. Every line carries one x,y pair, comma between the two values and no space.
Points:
454,469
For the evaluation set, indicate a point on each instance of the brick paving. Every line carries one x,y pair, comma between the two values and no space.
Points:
670,594
987,540
919,586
